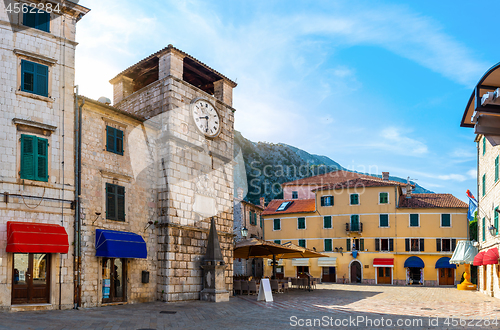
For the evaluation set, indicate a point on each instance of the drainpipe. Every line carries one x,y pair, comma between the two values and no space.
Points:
77,231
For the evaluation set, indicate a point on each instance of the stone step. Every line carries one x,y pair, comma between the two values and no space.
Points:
31,307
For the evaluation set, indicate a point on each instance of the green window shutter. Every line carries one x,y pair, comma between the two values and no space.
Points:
302,243
120,203
301,223
484,145
43,21
362,244
354,199
328,244
438,244
119,141
445,220
484,229
354,222
277,241
422,249
276,224
384,198
261,221
453,244
250,220
496,169
407,244
110,139
110,201
384,220
29,19
377,244
255,218
327,222
484,184
28,157
414,220
42,80
323,201
348,244
391,244
27,76
42,160
496,220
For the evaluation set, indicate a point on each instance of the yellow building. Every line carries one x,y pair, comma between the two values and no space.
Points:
374,231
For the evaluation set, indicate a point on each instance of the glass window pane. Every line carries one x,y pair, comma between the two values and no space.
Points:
40,264
118,278
20,268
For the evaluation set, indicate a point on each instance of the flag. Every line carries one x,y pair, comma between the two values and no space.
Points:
472,206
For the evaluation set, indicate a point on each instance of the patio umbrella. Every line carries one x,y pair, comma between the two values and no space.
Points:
464,254
258,248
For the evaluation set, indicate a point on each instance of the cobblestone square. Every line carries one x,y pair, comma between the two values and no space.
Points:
330,306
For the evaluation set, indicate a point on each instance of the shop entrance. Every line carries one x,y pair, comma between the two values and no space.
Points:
446,276
384,275
415,275
355,272
113,280
30,278
301,271
328,274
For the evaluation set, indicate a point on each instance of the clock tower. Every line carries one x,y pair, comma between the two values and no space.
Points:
189,106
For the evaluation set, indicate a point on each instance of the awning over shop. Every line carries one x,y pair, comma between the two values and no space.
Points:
119,244
28,237
491,257
327,262
300,262
464,253
415,262
383,262
444,262
478,259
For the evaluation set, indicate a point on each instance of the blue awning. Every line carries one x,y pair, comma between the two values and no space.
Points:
119,244
414,262
444,262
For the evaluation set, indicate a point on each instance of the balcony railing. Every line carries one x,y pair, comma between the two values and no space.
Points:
354,227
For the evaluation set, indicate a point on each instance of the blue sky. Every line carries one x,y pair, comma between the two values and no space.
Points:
375,85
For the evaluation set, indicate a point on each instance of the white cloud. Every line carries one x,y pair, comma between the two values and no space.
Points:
455,177
472,173
395,140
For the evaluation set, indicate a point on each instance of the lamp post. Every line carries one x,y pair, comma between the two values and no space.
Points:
244,232
493,231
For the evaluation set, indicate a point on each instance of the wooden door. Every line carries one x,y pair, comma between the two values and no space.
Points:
301,270
384,275
113,280
446,276
356,272
31,278
328,274
484,277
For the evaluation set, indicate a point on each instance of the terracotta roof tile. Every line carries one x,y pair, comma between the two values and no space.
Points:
297,206
431,201
335,177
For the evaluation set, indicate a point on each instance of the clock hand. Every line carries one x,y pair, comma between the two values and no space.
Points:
206,117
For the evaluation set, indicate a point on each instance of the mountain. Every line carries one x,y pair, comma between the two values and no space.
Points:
262,167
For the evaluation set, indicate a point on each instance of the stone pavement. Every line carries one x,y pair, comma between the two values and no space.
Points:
329,306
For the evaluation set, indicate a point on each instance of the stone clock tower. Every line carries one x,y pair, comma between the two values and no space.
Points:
189,106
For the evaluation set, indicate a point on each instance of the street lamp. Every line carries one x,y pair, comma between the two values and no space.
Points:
493,230
244,232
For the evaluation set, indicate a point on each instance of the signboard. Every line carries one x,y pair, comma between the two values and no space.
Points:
265,292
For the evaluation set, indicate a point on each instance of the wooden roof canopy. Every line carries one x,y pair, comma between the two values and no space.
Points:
195,72
489,82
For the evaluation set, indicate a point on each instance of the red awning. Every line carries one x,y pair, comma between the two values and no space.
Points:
27,237
478,259
381,262
491,257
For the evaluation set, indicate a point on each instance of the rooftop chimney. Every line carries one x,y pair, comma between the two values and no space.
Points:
408,188
262,202
385,176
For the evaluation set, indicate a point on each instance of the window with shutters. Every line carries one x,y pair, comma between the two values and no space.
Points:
327,222
383,198
36,18
302,243
445,220
301,223
348,244
277,241
115,202
484,184
354,223
34,158
445,244
383,220
384,244
495,220
484,145
34,78
414,220
295,194
114,140
328,244
358,244
414,244
484,229
261,221
277,224
354,199
326,200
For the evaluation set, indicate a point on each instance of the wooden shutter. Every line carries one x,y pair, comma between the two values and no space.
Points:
27,157
496,169
438,244
261,221
120,203
407,244
42,80
43,21
323,201
362,244
453,244
42,160
119,141
348,243
377,244
29,18
328,244
422,248
110,202
391,244
327,222
27,76
110,139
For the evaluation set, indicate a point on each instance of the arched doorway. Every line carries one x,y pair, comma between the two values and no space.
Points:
445,271
356,275
414,271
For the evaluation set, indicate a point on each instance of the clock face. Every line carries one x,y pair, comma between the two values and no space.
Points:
206,118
